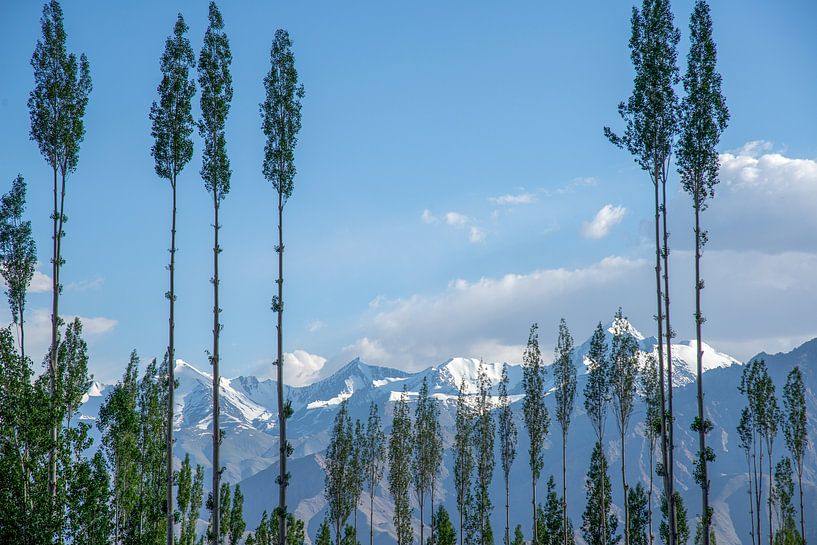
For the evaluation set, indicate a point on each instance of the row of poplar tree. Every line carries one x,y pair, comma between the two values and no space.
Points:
52,492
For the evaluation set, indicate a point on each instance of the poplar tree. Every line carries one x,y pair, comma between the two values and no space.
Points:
374,460
768,421
235,531
57,106
463,455
172,125
598,526
18,254
596,398
623,376
795,430
703,117
652,422
783,493
356,479
746,437
537,419
443,531
507,444
651,125
483,438
564,374
339,470
639,517
216,94
281,122
400,451
188,500
748,387
680,516
425,454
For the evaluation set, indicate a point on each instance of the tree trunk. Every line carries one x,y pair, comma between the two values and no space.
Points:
564,486
751,498
673,526
700,386
758,487
771,533
535,529
649,495
420,501
171,365
660,338
283,478
52,360
216,377
507,511
371,515
799,463
624,487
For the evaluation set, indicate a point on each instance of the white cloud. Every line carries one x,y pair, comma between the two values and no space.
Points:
301,367
488,317
604,220
456,219
40,283
315,325
511,200
476,234
85,285
428,217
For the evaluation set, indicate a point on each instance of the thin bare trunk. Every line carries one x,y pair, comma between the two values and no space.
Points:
751,498
216,377
660,338
700,386
535,529
564,487
52,360
673,526
283,478
625,503
771,532
507,511
649,494
799,463
171,364
371,515
758,486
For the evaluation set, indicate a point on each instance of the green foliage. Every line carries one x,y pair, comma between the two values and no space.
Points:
623,371
463,454
518,536
18,253
640,531
564,376
599,526
703,113
341,478
699,535
236,526
281,116
60,95
651,112
682,527
373,454
550,523
443,532
428,449
188,500
400,448
216,86
597,388
323,537
483,437
171,118
507,441
349,536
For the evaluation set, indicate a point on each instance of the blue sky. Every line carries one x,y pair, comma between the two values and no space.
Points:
453,184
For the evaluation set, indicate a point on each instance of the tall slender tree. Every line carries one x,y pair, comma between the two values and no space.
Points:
652,423
18,254
484,429
281,122
564,375
749,387
172,125
598,527
507,444
537,419
768,414
703,118
651,118
596,399
746,436
339,470
623,376
57,106
400,447
795,431
423,461
216,87
374,460
639,518
463,455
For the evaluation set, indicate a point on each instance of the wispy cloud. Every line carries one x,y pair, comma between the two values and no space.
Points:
514,199
456,220
603,221
476,234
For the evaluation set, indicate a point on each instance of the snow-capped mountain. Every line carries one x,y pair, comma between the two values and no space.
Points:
249,448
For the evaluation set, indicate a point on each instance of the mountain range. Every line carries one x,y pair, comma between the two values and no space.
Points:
249,448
